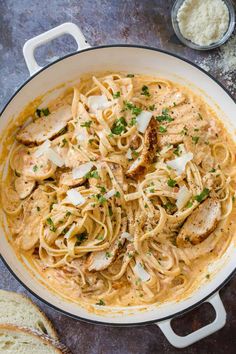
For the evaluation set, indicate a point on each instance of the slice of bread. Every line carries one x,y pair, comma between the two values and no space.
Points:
19,340
18,310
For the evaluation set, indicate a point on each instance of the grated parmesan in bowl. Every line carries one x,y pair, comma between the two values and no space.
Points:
203,24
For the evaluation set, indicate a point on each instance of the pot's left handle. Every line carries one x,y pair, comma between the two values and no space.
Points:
33,43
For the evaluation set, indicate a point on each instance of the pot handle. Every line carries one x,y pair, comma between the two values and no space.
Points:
33,43
184,341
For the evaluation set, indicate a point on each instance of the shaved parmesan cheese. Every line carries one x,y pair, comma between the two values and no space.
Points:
127,236
54,157
75,197
98,102
70,231
99,261
179,163
129,154
143,120
82,170
110,194
183,197
141,272
81,136
42,148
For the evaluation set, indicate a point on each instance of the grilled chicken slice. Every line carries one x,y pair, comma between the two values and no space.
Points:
66,179
36,207
101,260
200,224
139,166
24,186
46,127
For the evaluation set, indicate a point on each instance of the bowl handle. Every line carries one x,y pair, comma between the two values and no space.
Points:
33,43
184,341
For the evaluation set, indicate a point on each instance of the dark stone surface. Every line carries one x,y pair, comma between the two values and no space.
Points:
105,22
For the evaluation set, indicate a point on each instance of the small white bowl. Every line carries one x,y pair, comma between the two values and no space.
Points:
174,12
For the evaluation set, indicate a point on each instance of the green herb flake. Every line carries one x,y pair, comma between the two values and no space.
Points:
81,237
177,151
38,208
108,254
130,75
171,183
116,95
134,109
145,91
195,139
119,126
100,198
208,276
200,197
189,205
51,224
110,212
162,129
68,213
117,194
45,111
35,168
152,107
133,121
151,190
213,170
64,141
165,117
200,116
86,124
92,174
100,303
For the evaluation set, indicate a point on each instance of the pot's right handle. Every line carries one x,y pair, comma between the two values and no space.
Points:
33,43
184,341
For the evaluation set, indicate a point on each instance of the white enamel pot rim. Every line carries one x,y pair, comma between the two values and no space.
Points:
209,293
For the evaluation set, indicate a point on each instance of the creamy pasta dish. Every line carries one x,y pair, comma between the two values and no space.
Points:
120,192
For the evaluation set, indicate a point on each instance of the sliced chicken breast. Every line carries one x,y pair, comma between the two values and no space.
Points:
139,166
24,186
46,127
66,179
200,224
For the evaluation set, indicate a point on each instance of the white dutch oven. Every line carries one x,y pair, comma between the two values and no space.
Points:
130,59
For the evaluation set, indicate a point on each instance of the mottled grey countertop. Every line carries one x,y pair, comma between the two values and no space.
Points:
106,22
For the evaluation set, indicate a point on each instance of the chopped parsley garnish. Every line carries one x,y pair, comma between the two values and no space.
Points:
68,213
200,197
151,190
86,124
92,174
184,131
100,237
133,121
38,208
165,116
117,194
101,199
134,109
35,168
177,151
233,198
119,126
170,207
100,303
152,107
145,91
212,170
162,129
42,112
51,206
110,211
102,189
171,182
51,224
208,276
135,153
189,205
81,237
64,141
116,95
108,254
195,139
130,75
174,104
